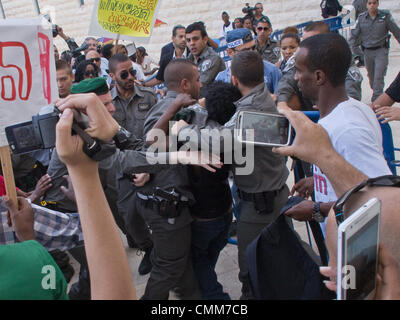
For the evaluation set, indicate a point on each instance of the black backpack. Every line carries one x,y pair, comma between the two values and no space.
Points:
280,268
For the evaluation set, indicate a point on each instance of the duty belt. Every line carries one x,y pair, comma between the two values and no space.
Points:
254,196
151,197
374,48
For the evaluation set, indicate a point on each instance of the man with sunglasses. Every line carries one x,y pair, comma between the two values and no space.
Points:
265,46
322,63
94,56
132,102
242,40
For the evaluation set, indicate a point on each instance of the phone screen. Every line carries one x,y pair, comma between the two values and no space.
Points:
265,128
361,253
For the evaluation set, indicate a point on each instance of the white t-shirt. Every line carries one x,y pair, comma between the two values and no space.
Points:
225,29
139,72
357,136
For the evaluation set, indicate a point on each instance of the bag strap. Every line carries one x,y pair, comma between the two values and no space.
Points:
320,241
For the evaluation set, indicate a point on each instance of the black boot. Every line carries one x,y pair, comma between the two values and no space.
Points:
145,265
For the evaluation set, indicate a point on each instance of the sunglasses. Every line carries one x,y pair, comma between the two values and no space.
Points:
125,74
383,181
262,28
90,73
94,60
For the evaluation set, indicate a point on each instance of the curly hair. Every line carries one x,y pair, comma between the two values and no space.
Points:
220,98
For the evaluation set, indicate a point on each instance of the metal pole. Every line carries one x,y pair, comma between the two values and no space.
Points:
36,5
2,13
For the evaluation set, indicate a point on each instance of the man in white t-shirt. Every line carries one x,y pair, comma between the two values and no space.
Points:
322,62
227,26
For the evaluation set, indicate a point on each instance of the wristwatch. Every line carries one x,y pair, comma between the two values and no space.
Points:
317,216
122,138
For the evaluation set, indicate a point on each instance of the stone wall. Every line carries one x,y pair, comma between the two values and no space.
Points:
282,13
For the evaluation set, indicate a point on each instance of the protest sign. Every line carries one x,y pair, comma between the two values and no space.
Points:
27,77
133,20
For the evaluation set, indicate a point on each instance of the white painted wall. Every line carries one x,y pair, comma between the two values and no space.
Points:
281,12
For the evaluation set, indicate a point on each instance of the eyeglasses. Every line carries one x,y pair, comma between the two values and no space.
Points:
125,74
262,28
383,181
94,60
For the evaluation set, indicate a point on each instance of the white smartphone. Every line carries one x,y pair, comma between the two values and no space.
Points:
264,129
358,238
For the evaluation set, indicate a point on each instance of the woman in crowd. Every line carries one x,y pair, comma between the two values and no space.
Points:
86,70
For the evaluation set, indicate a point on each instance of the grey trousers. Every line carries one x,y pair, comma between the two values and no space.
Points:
172,265
249,227
376,62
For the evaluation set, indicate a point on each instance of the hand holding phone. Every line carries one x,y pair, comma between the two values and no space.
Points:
263,129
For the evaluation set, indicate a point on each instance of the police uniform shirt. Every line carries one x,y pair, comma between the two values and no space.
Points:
270,51
373,32
270,171
209,64
131,113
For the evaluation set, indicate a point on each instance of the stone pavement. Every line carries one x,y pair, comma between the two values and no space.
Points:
227,267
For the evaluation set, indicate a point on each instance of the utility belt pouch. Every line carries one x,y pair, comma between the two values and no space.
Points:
264,202
168,203
167,209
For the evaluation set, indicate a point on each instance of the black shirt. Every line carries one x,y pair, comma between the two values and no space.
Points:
394,90
330,8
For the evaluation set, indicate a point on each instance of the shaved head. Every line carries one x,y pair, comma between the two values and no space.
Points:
177,70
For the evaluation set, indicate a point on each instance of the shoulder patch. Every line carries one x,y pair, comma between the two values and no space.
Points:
205,65
277,51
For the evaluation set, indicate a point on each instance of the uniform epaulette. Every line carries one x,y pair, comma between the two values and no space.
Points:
145,89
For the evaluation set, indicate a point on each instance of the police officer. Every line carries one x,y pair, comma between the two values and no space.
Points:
263,190
166,209
360,6
288,90
265,46
242,39
372,30
132,103
209,63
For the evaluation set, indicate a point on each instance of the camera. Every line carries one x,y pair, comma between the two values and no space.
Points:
40,133
250,11
77,52
54,27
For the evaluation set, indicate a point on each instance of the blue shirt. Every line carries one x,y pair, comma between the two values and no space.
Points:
272,75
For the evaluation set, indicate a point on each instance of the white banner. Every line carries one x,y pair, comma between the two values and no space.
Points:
27,70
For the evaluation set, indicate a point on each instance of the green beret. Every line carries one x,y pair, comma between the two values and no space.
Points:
96,85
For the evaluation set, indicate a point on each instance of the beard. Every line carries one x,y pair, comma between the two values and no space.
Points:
126,84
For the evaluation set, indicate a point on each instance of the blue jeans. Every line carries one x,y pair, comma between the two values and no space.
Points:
208,240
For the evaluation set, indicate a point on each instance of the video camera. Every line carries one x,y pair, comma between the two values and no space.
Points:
40,133
77,52
249,11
